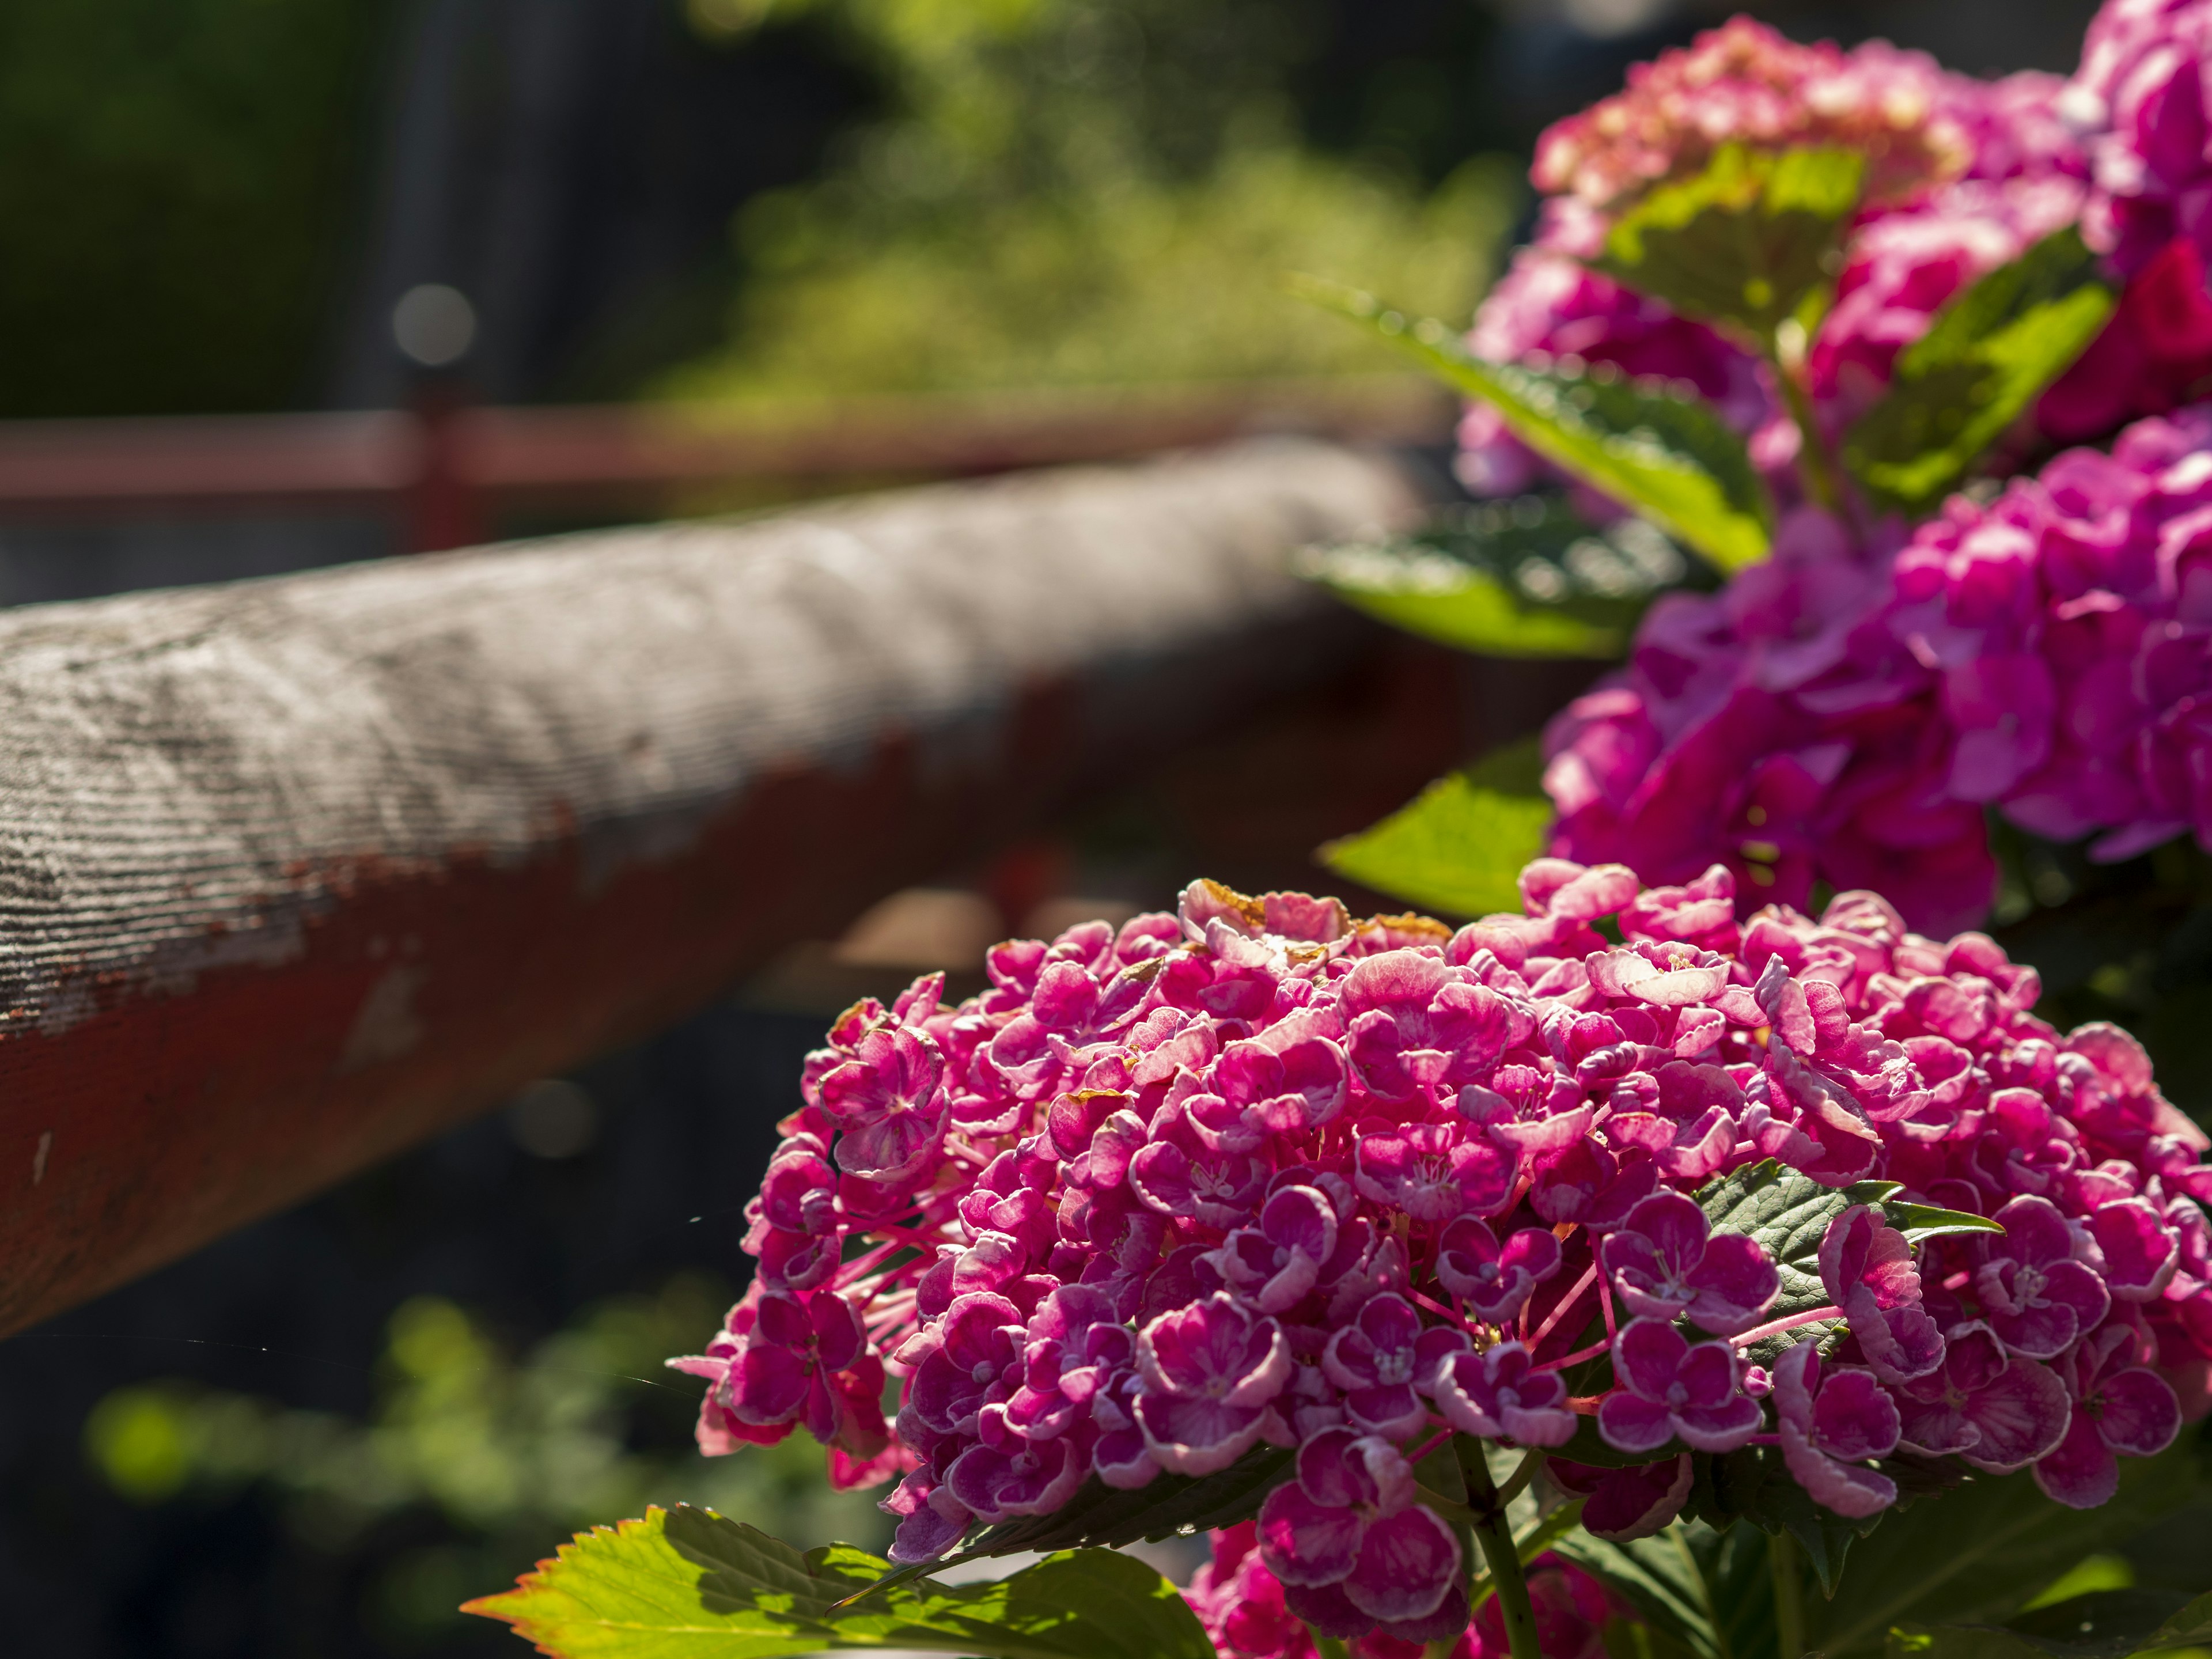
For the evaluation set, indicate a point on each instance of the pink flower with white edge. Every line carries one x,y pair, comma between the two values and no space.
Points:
2121,1408
1209,1371
1380,1359
1666,1264
1672,1388
1498,1395
1348,1520
1833,1421
1288,1253
1998,1412
2031,1291
1178,1255
1495,1280
885,1104
1625,1505
1868,1270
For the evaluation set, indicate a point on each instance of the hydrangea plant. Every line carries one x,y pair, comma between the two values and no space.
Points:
1682,1256
1440,1271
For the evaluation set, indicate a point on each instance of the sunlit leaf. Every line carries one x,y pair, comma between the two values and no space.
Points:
1459,847
1979,1554
1524,578
687,1584
1107,1518
1654,446
1788,1214
1920,1221
1701,1588
1989,355
1748,241
1754,1484
2102,1624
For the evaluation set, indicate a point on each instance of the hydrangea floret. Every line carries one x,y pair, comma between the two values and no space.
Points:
1846,711
1963,176
1257,1175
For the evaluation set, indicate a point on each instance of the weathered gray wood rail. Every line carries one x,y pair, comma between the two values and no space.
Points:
293,872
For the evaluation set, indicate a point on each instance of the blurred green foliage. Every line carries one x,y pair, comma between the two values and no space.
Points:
2129,942
178,178
1080,191
498,1452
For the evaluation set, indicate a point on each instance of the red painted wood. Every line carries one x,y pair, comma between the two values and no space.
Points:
293,872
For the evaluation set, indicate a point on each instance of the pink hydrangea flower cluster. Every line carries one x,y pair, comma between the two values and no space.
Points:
1241,1606
1744,83
1841,712
1255,1173
1963,175
2139,100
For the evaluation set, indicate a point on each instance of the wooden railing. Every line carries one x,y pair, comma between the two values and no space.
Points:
295,872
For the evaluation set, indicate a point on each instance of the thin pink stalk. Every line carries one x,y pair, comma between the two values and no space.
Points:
1576,1358
1428,1446
1559,1310
1745,1339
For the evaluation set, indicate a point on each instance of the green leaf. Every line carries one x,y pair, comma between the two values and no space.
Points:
1647,445
1099,1514
1525,578
1989,355
1979,1553
2102,1624
1788,1214
1749,240
1754,1484
1703,1588
686,1583
1920,1221
1459,847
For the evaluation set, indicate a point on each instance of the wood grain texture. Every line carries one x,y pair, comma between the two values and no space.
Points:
294,872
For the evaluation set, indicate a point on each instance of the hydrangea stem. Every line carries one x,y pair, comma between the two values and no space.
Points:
1789,1571
1328,1647
1495,1534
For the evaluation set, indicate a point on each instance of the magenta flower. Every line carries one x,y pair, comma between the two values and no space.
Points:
1180,1251
2140,1251
886,1104
1178,1175
1868,1271
1241,1603
1209,1370
2140,96
975,1362
1495,1280
1005,1473
1833,1421
1672,1388
1434,1171
1572,1609
1497,1393
792,1353
1293,1080
1349,1520
1625,1505
1591,1186
1292,1250
1664,1265
1380,1359
1998,1412
1414,1024
1077,1346
1743,82
2120,1408
2032,1292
